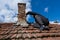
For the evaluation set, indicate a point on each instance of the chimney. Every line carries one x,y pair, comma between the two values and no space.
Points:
21,14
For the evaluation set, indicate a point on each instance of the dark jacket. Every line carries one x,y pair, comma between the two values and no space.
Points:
41,20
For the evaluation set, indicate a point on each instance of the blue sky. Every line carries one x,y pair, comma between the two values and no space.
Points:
48,8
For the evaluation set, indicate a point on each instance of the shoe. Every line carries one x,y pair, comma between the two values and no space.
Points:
44,27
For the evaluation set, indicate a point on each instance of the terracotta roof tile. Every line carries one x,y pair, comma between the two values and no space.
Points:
8,36
13,36
13,31
30,33
19,36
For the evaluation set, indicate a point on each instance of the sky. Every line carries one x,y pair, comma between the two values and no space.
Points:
48,8
9,10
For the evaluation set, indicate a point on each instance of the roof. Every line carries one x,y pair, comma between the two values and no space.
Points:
6,23
30,33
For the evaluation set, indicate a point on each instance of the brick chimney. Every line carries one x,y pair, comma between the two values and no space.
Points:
21,14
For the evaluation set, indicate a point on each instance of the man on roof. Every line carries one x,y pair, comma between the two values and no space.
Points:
39,21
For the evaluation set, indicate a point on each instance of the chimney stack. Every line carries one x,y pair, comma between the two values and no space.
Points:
21,14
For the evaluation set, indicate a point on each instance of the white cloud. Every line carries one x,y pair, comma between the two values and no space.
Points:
46,9
52,22
9,9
